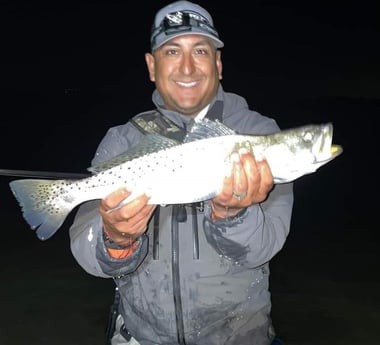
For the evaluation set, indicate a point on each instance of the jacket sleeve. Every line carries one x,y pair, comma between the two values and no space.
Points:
256,235
86,239
88,247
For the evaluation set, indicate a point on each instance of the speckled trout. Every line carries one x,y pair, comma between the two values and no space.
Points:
172,172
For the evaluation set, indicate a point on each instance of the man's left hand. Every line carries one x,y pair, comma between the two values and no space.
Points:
249,183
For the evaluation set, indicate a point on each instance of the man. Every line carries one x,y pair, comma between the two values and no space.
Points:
188,274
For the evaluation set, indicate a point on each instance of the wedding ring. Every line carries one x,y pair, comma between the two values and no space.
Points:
239,196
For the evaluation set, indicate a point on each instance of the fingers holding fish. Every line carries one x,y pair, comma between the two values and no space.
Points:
233,195
266,180
113,200
250,182
240,182
128,221
259,178
141,219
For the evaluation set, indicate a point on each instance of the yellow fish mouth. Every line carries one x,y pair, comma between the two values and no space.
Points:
336,150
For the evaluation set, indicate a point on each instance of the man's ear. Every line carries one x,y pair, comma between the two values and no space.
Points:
219,64
149,59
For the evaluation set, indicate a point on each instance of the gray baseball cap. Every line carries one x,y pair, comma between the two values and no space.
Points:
182,18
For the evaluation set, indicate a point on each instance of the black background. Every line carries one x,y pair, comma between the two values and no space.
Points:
70,70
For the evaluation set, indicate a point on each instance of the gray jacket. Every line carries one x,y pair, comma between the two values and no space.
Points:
191,280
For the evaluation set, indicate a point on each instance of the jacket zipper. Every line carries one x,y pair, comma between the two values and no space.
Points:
178,215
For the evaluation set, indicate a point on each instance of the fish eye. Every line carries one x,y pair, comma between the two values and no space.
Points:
308,136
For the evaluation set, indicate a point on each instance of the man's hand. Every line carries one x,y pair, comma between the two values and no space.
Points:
249,183
127,222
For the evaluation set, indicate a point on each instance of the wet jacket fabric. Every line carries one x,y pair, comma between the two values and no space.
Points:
191,280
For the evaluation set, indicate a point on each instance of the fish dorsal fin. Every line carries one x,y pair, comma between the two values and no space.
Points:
206,128
149,143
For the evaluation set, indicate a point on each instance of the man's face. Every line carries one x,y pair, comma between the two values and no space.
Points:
186,71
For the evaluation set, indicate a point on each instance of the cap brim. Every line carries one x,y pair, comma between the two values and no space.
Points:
217,42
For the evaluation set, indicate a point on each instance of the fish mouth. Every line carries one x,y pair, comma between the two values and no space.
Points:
335,151
322,148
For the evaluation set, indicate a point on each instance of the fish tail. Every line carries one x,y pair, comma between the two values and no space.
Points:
45,204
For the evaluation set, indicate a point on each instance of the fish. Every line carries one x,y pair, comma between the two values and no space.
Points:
175,172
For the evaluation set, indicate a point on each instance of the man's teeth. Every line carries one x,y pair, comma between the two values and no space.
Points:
186,84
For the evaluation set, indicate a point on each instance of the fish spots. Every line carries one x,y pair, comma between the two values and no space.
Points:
176,172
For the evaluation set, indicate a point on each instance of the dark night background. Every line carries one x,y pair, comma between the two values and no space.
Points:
70,70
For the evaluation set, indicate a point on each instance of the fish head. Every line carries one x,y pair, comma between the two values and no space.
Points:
303,151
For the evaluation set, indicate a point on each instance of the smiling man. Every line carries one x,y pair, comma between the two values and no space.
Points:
195,273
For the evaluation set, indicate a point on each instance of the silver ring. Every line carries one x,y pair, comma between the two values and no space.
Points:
239,196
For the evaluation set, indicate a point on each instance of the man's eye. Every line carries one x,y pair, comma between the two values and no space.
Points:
201,52
171,52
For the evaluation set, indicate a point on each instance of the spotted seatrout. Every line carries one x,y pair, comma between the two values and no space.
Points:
172,172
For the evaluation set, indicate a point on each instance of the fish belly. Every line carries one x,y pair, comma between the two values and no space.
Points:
189,176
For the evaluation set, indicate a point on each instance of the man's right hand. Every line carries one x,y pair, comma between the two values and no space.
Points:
127,222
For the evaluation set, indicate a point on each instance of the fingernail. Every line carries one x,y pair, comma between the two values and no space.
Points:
243,151
234,158
125,191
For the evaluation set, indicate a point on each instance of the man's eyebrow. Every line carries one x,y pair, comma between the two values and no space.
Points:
202,42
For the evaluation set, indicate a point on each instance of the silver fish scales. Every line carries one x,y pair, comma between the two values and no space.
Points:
172,172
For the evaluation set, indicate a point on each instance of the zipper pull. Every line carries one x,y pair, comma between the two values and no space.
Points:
200,206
